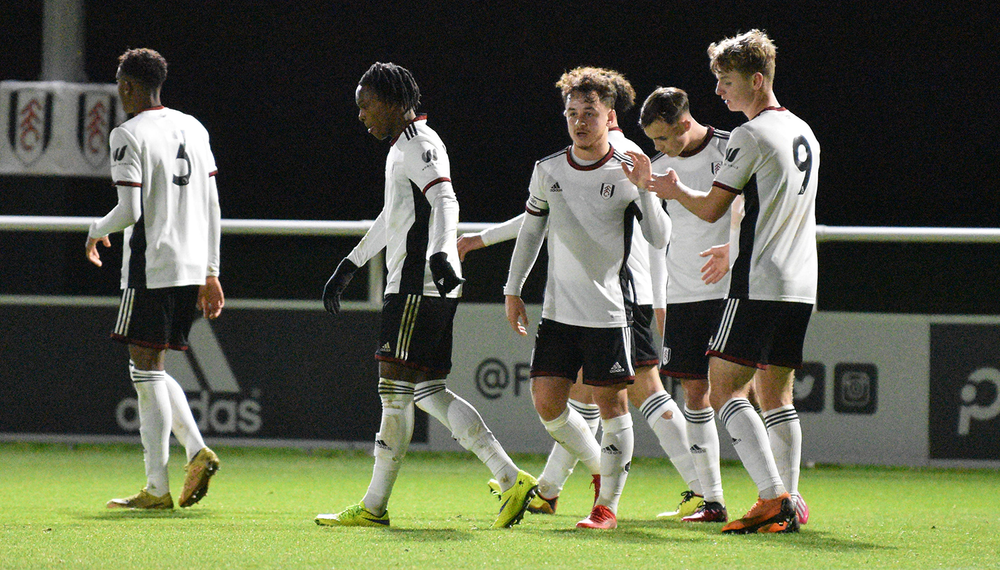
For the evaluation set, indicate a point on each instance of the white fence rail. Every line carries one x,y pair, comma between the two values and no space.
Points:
375,267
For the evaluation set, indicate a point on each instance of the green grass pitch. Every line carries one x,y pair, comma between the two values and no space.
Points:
260,508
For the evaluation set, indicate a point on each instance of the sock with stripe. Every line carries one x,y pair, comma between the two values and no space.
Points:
467,427
785,434
751,443
154,426
703,437
561,461
616,458
391,442
672,435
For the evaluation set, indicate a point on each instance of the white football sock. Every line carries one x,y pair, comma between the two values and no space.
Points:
672,434
751,443
703,436
785,433
184,427
561,462
571,431
467,427
616,458
154,426
391,442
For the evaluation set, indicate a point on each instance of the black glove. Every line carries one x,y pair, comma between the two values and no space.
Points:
443,273
336,284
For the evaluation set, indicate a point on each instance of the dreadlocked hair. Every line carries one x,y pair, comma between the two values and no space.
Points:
392,84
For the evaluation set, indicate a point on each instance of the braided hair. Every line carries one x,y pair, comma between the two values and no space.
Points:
392,84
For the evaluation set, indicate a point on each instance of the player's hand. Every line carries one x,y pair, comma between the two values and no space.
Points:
717,265
443,274
641,172
210,298
336,284
92,253
666,186
467,243
517,316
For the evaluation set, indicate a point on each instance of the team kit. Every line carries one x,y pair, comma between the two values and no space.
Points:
712,241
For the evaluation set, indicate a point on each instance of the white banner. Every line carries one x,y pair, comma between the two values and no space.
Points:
875,389
57,128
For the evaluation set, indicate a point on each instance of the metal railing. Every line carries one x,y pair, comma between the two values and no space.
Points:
377,264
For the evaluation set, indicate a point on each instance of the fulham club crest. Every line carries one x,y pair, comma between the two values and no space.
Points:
94,121
607,191
29,129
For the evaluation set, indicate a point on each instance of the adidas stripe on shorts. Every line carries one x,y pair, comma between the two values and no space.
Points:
156,318
416,332
758,333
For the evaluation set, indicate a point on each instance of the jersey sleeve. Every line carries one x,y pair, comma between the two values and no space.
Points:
740,162
538,201
426,163
504,231
126,158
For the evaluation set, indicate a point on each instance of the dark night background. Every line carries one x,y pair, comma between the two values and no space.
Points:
901,98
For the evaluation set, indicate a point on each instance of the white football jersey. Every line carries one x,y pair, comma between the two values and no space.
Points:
418,172
166,155
690,235
589,211
639,258
773,160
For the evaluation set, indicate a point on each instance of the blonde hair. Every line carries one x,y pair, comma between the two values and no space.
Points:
747,53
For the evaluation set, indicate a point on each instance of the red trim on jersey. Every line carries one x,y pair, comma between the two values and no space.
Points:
702,146
127,183
619,129
727,188
415,119
595,166
536,212
769,109
213,173
435,181
156,108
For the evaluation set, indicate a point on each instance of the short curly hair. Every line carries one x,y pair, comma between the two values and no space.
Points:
586,80
144,65
392,84
746,54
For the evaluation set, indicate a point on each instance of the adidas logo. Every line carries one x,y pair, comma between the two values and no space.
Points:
737,441
385,348
617,368
611,450
441,281
698,449
555,188
381,444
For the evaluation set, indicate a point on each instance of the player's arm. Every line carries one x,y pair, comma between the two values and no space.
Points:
210,296
709,206
373,242
526,249
655,223
123,215
504,231
529,243
443,228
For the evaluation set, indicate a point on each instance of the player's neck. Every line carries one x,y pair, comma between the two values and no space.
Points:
592,152
401,122
765,100
699,133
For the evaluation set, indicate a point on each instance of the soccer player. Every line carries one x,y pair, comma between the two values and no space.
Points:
773,161
586,203
168,207
696,152
647,393
417,229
